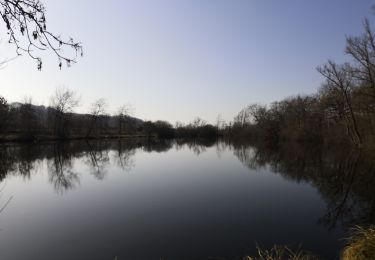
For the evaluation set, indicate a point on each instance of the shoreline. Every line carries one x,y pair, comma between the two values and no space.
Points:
46,138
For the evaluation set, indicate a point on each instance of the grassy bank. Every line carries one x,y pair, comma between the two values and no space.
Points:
361,246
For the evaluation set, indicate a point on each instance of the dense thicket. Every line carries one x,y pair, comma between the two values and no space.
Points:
343,109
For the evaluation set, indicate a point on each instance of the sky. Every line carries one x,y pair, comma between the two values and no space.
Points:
175,60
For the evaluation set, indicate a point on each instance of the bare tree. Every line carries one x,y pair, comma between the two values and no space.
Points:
27,118
219,122
122,113
251,114
63,102
26,27
243,117
98,110
340,78
257,113
198,122
362,50
4,113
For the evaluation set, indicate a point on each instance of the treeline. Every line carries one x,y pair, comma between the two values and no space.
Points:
26,122
199,128
343,109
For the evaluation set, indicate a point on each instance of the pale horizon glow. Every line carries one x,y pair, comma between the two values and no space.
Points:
175,60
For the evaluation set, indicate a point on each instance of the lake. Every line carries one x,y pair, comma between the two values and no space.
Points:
176,199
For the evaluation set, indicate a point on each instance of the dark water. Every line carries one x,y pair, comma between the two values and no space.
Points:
178,200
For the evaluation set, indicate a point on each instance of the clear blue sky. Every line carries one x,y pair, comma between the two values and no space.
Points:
175,60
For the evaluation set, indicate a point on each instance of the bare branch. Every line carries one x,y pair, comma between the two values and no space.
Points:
26,24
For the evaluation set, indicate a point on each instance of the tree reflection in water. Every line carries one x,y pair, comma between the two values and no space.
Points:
60,169
97,158
124,157
344,178
198,145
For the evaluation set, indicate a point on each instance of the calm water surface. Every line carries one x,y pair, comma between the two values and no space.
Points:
136,199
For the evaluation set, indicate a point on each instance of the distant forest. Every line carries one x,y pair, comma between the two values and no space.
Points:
342,111
27,122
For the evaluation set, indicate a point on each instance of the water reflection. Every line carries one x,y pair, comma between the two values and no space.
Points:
344,178
124,158
60,168
97,155
198,146
97,158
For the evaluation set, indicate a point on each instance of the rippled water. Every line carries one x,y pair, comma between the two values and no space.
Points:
139,199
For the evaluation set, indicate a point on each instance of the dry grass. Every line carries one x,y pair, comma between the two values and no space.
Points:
361,245
280,253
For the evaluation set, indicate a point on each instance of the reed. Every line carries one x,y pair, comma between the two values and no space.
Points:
278,252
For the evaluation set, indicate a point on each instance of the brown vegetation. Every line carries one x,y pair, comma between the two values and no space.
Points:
343,110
